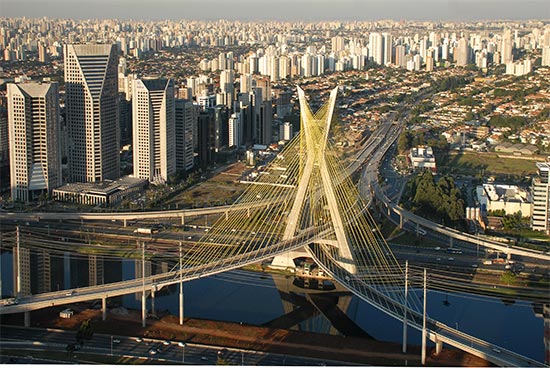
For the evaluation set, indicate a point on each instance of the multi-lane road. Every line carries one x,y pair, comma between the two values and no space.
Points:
39,339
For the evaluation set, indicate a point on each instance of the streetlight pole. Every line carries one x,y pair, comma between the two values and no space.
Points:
405,306
183,345
423,356
143,301
18,284
181,287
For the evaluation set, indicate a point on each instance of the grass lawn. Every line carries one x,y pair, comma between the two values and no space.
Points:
488,163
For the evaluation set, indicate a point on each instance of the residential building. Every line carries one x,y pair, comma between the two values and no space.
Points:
186,121
540,190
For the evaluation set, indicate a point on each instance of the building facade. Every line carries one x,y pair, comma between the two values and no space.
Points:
92,115
154,129
540,188
34,131
186,122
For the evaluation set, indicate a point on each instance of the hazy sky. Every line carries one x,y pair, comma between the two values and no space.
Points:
307,10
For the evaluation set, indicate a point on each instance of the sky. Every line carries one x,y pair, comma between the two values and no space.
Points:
281,10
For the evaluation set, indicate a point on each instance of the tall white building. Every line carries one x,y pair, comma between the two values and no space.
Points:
153,114
388,49
235,130
227,78
91,101
285,131
546,48
34,136
540,191
376,47
463,52
506,47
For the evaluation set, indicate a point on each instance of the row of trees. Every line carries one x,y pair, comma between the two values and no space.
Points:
437,201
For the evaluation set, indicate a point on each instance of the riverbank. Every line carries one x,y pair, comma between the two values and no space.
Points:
348,350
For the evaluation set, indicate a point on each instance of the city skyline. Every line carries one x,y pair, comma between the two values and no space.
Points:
299,10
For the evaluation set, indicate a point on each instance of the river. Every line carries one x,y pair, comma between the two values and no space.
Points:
255,298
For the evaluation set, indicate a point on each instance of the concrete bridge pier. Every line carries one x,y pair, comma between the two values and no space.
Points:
143,310
27,318
451,241
181,303
182,220
104,307
124,221
401,221
153,301
438,346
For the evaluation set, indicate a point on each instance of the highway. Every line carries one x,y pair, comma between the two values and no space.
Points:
157,350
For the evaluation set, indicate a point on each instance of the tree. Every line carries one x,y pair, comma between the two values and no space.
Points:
508,278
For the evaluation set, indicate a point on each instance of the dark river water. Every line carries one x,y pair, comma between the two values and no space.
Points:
257,298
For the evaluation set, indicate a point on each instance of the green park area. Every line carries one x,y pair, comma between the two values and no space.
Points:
488,163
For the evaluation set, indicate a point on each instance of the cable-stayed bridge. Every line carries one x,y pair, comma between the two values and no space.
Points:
304,201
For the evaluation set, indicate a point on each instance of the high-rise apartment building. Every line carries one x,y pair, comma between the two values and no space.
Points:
506,47
91,100
463,52
388,49
234,130
546,47
186,122
376,48
540,191
34,132
153,115
227,78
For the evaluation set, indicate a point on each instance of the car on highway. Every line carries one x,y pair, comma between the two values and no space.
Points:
139,339
166,343
70,293
116,341
153,351
450,259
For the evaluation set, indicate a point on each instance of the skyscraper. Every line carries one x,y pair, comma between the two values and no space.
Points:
153,115
91,85
227,77
375,48
463,52
540,190
388,49
186,121
235,130
546,48
506,47
34,131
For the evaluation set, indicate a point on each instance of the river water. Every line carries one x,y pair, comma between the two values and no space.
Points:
257,298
